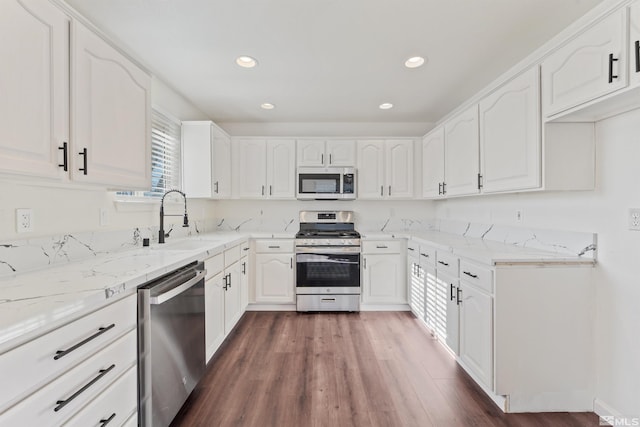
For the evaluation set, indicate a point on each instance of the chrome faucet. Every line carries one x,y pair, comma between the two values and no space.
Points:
161,234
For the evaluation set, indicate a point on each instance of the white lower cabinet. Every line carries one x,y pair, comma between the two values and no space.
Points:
274,271
383,272
416,288
223,297
55,376
476,333
114,406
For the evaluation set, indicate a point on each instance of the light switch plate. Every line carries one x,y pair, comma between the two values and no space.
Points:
634,219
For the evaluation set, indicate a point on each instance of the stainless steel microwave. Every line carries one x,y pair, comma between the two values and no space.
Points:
326,183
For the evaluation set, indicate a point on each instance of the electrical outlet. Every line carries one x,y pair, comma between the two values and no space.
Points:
519,217
634,219
24,220
104,217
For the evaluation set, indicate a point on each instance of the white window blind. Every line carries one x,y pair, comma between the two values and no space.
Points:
165,156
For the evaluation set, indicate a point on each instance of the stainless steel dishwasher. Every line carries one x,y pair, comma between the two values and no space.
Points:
171,343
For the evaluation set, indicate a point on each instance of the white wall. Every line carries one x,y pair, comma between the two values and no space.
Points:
67,208
377,129
617,274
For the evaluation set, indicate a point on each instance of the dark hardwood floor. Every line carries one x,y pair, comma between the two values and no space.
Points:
344,369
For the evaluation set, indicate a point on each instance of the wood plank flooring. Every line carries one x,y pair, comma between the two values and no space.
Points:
344,369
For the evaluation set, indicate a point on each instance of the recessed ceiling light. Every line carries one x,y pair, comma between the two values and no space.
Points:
268,106
246,61
414,62
386,106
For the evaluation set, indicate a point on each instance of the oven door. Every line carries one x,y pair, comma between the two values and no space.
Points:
322,273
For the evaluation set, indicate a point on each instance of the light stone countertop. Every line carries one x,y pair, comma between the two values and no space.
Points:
36,302
485,251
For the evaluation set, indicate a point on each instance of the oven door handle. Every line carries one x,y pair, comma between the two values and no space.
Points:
174,292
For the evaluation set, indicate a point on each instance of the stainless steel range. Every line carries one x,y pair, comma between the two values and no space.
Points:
327,262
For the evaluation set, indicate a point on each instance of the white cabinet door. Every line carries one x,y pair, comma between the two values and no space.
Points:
221,173
510,143
196,159
384,279
214,314
274,278
341,153
433,164
634,44
110,114
252,168
34,88
281,169
244,283
399,169
589,66
232,296
310,152
452,314
416,289
371,169
430,286
462,153
476,333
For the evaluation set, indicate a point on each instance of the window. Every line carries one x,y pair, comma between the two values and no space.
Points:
165,156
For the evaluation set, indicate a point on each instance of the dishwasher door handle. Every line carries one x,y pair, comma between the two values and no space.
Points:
164,297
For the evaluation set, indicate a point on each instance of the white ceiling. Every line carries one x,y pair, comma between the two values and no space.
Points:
330,60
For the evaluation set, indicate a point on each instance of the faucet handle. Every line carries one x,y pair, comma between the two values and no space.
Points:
168,232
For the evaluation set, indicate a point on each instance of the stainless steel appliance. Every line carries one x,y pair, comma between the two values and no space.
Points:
326,183
171,343
327,262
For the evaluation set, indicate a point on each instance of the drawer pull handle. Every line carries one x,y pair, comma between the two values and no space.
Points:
446,264
104,422
101,330
328,300
459,296
245,249
102,372
411,249
475,276
244,268
274,247
424,255
382,247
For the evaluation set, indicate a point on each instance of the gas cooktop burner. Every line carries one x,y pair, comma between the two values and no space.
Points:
328,234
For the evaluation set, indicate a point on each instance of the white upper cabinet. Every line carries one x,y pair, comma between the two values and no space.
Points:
589,66
326,153
341,153
281,169
385,169
111,124
510,143
34,83
433,164
461,154
206,160
371,169
634,44
265,168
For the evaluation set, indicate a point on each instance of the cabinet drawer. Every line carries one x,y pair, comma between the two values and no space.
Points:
231,255
33,364
427,255
279,246
116,403
76,388
482,277
382,246
214,265
244,249
447,262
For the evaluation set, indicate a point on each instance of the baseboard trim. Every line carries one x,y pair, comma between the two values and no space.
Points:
271,307
385,307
